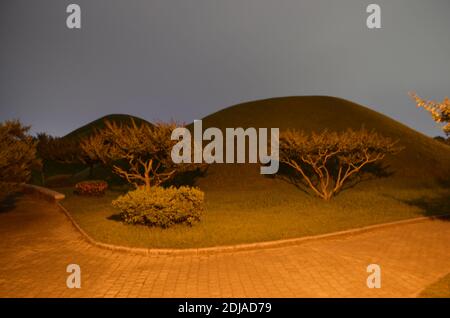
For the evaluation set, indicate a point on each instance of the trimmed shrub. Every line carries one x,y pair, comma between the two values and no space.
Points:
92,187
161,207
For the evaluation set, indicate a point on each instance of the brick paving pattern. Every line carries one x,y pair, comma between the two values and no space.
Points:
37,243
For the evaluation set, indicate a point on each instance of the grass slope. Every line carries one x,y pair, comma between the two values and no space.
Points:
253,216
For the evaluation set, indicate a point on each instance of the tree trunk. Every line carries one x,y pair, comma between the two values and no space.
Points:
147,183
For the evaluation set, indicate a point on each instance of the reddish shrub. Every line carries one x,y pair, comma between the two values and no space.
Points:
93,187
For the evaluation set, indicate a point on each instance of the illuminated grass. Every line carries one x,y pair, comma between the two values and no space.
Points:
257,216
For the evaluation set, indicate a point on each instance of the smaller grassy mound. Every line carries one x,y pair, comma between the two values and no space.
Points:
98,124
251,216
440,289
65,174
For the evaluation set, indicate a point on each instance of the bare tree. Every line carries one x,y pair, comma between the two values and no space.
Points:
327,160
93,150
145,148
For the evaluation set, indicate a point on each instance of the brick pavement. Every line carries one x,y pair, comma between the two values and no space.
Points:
37,243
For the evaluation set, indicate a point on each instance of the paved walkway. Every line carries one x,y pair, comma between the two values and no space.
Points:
37,243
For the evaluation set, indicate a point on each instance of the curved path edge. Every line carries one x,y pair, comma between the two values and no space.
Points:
54,196
420,292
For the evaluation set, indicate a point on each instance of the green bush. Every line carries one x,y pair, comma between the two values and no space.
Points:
161,206
93,187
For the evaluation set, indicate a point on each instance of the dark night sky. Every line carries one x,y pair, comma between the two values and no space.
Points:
184,59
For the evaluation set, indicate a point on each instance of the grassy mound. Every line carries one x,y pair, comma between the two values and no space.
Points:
423,162
63,174
89,128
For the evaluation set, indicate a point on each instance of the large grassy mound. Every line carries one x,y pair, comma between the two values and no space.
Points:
422,162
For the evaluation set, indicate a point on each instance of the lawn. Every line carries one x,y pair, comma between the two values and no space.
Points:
440,289
244,207
234,217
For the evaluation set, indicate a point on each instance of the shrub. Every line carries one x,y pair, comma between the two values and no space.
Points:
161,206
93,187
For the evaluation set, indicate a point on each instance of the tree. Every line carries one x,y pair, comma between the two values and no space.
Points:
17,156
44,152
57,149
327,160
71,150
93,150
440,112
145,148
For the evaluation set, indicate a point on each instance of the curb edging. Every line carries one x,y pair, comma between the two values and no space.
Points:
44,193
56,197
238,247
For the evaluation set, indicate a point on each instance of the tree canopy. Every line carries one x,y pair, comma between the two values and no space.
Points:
17,156
327,160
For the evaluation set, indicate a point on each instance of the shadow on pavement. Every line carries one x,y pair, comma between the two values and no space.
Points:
9,203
